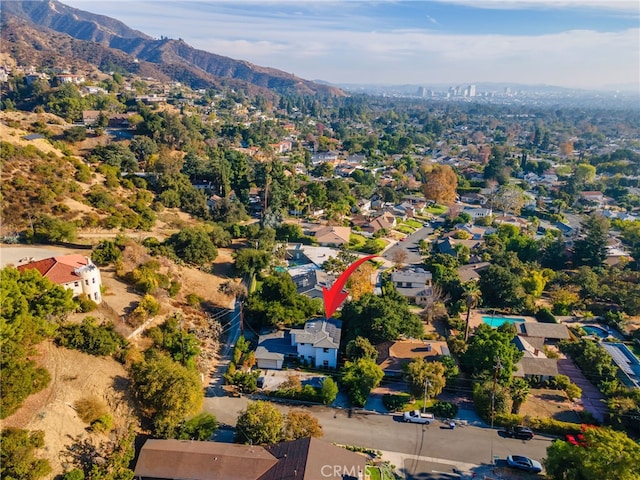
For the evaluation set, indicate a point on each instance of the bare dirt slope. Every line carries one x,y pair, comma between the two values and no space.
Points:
74,375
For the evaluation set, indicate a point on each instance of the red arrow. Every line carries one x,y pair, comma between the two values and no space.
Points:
334,297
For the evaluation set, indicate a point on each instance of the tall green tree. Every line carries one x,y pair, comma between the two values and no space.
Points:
486,345
591,248
168,392
360,347
193,245
360,377
426,377
606,455
18,460
260,423
380,318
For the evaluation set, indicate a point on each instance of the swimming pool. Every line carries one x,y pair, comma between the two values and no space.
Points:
595,330
497,321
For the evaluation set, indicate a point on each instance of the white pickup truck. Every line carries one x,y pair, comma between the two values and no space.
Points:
416,417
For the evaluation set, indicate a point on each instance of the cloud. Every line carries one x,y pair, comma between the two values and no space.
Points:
628,6
313,41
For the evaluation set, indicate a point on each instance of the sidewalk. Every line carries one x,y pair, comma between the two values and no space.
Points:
465,471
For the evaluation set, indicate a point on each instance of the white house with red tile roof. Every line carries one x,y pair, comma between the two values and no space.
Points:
75,272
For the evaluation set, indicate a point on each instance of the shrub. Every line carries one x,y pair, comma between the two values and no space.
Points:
544,315
194,300
328,391
103,423
395,402
546,425
201,427
91,338
444,409
85,304
174,288
90,409
75,474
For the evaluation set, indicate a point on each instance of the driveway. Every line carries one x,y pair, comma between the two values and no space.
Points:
592,400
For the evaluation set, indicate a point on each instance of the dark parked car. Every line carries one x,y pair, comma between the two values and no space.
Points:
524,463
523,433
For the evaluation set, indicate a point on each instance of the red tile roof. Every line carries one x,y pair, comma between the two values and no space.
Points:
59,270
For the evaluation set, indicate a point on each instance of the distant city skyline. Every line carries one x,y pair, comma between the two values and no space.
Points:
575,44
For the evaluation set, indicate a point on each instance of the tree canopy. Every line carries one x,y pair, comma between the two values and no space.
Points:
168,392
380,318
605,455
440,185
360,377
486,345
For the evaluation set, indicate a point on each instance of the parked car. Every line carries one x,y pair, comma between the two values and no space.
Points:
524,463
523,433
416,416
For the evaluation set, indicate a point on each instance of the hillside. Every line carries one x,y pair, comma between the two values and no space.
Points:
173,58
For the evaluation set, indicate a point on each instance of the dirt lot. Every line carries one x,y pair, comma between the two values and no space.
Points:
74,375
547,403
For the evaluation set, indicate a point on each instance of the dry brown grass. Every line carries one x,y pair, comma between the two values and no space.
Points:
548,403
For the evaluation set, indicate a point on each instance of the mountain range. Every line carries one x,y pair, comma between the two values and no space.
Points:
47,32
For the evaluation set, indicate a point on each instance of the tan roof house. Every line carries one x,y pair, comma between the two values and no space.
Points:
332,236
393,355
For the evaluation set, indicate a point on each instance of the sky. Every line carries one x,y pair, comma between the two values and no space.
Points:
579,44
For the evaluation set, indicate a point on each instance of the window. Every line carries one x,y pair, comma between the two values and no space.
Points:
86,282
325,350
325,363
95,295
76,284
93,280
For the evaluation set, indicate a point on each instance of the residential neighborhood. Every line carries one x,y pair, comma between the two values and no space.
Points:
180,297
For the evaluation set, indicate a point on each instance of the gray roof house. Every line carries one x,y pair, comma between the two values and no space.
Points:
413,284
318,342
534,362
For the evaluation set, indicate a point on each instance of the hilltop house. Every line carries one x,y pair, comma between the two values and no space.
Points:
75,272
305,458
317,344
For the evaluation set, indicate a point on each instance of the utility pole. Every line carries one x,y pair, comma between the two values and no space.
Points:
493,390
426,387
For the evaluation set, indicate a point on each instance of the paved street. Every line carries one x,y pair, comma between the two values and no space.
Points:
410,245
462,446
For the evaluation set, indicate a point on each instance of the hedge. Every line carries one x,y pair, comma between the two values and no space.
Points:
546,425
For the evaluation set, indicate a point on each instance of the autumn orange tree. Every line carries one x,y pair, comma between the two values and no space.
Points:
440,185
359,282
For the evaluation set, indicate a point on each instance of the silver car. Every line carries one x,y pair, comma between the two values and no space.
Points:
524,463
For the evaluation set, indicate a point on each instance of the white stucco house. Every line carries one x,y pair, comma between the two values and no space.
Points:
318,342
75,272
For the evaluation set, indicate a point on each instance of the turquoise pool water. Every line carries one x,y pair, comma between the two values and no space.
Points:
497,321
594,330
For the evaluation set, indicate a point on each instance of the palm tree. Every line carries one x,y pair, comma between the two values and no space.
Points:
472,297
519,390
